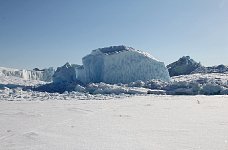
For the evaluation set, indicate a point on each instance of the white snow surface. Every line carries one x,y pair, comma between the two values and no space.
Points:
120,64
131,123
45,75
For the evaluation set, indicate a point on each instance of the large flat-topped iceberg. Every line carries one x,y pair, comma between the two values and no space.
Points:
120,64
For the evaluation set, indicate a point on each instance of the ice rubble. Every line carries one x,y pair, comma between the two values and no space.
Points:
42,75
18,94
195,84
102,88
206,84
115,64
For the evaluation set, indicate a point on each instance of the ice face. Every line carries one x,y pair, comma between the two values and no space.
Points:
93,68
129,66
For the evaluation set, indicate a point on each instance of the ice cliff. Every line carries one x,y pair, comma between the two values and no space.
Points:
42,75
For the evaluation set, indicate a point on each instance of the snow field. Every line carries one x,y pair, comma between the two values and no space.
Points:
139,122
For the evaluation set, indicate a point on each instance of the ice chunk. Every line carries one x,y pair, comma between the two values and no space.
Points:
66,73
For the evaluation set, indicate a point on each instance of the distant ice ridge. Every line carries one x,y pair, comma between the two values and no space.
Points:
185,66
115,64
42,75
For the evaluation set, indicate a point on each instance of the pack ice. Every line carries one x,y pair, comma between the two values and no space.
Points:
115,64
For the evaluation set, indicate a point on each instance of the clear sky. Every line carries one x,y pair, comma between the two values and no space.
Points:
43,33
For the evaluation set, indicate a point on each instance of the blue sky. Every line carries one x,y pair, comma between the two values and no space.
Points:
43,33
